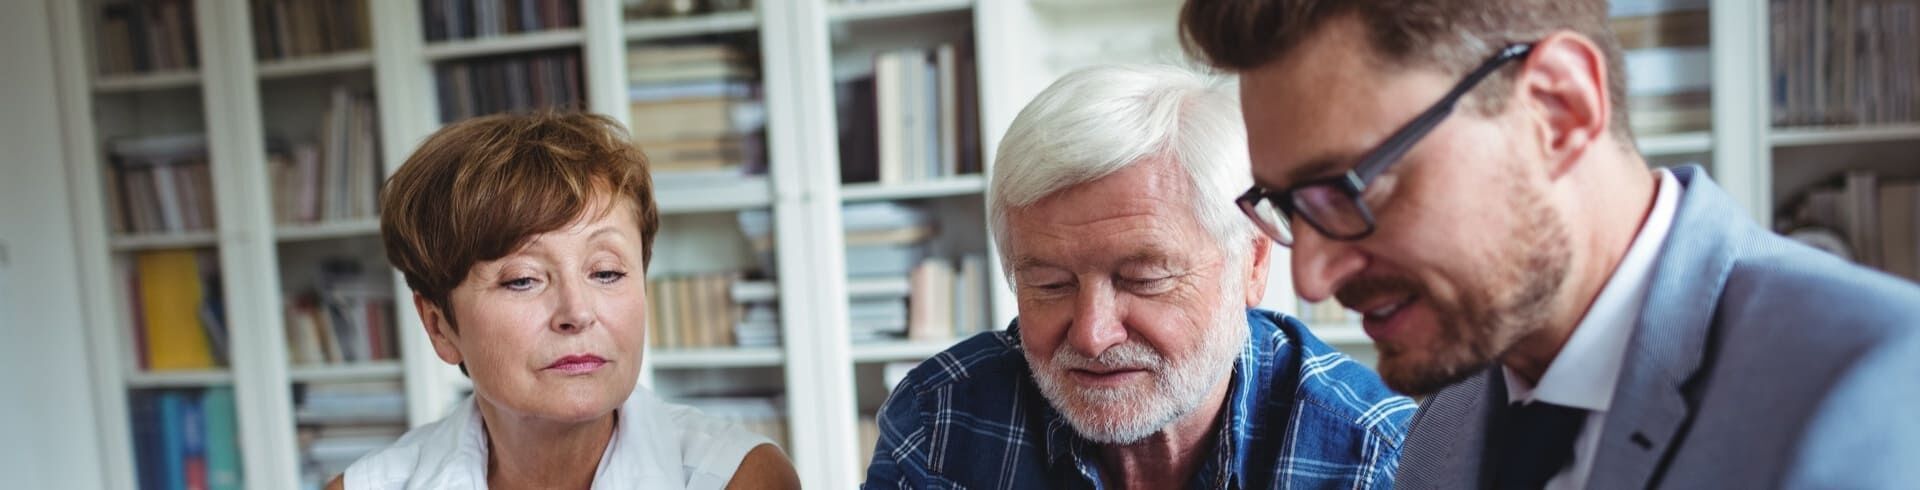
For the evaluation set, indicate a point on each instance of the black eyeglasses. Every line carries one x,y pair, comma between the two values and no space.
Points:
1332,205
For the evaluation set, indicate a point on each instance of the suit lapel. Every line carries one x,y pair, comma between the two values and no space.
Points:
1654,400
1445,443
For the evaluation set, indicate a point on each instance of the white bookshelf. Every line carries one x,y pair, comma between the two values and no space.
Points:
503,44
1020,47
693,25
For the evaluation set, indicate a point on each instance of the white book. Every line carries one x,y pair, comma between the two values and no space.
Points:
887,88
166,189
947,59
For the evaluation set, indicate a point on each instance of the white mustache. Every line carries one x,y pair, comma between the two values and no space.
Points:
1131,355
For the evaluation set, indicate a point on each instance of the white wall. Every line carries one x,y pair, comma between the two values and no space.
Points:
47,438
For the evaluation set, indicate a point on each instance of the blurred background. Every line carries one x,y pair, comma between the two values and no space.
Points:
193,292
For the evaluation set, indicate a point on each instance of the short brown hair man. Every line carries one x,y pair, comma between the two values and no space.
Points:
1575,318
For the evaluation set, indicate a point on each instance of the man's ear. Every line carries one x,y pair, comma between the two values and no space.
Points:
1564,82
439,326
1261,253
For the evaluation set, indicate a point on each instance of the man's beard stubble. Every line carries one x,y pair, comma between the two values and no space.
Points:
1494,311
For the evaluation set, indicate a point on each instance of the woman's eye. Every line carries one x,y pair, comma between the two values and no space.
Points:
521,284
608,276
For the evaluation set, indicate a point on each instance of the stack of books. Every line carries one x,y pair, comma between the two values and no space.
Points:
1845,62
697,111
1863,218
160,184
885,242
758,324
147,36
1668,64
173,302
477,87
335,178
466,19
285,29
912,119
340,422
185,439
764,415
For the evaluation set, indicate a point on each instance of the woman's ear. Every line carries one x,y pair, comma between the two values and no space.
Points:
439,326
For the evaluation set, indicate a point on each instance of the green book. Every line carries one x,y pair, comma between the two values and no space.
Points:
223,452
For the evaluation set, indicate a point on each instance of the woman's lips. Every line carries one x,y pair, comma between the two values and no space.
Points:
577,364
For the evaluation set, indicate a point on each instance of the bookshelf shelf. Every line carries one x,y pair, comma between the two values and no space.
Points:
867,288
327,230
739,194
724,357
503,44
146,81
720,23
156,241
1659,145
314,65
179,379
888,9
1815,136
899,351
346,372
946,187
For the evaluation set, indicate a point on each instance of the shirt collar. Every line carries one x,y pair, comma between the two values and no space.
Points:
1583,374
1229,455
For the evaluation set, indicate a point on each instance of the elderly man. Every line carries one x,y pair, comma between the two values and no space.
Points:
1136,360
1580,320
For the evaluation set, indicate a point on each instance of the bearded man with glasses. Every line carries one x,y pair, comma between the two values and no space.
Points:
1461,173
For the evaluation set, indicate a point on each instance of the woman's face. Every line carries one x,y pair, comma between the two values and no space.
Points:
553,331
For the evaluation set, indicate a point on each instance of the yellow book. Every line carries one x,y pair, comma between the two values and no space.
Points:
170,299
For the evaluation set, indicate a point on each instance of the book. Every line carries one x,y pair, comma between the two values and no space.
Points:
170,298
1861,205
222,445
1899,224
930,304
172,460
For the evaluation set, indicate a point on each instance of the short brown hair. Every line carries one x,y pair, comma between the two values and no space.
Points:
1449,35
478,189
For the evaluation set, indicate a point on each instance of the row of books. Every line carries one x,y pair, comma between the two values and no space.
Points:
948,299
185,439
912,119
334,176
641,9
1863,218
1842,62
345,316
147,36
160,184
476,87
466,19
697,109
340,422
173,305
291,28
700,311
1667,62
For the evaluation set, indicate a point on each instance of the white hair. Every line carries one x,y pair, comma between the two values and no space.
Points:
1100,120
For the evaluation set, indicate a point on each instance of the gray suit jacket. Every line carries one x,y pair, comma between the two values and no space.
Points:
1755,363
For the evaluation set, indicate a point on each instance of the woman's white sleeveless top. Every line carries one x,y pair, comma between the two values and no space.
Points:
655,445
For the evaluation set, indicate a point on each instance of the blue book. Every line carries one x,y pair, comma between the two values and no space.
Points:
144,414
173,441
193,442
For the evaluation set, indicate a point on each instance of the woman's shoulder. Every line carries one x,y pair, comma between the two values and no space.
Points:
709,446
429,452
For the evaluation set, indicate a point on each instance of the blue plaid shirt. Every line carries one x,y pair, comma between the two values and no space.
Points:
1299,415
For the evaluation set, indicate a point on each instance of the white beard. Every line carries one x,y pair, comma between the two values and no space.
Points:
1128,414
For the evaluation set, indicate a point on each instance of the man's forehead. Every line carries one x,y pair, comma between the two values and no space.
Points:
1317,110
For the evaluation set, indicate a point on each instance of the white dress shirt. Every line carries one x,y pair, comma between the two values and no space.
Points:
655,445
1584,373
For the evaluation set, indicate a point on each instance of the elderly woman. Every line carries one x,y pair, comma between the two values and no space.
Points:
526,240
